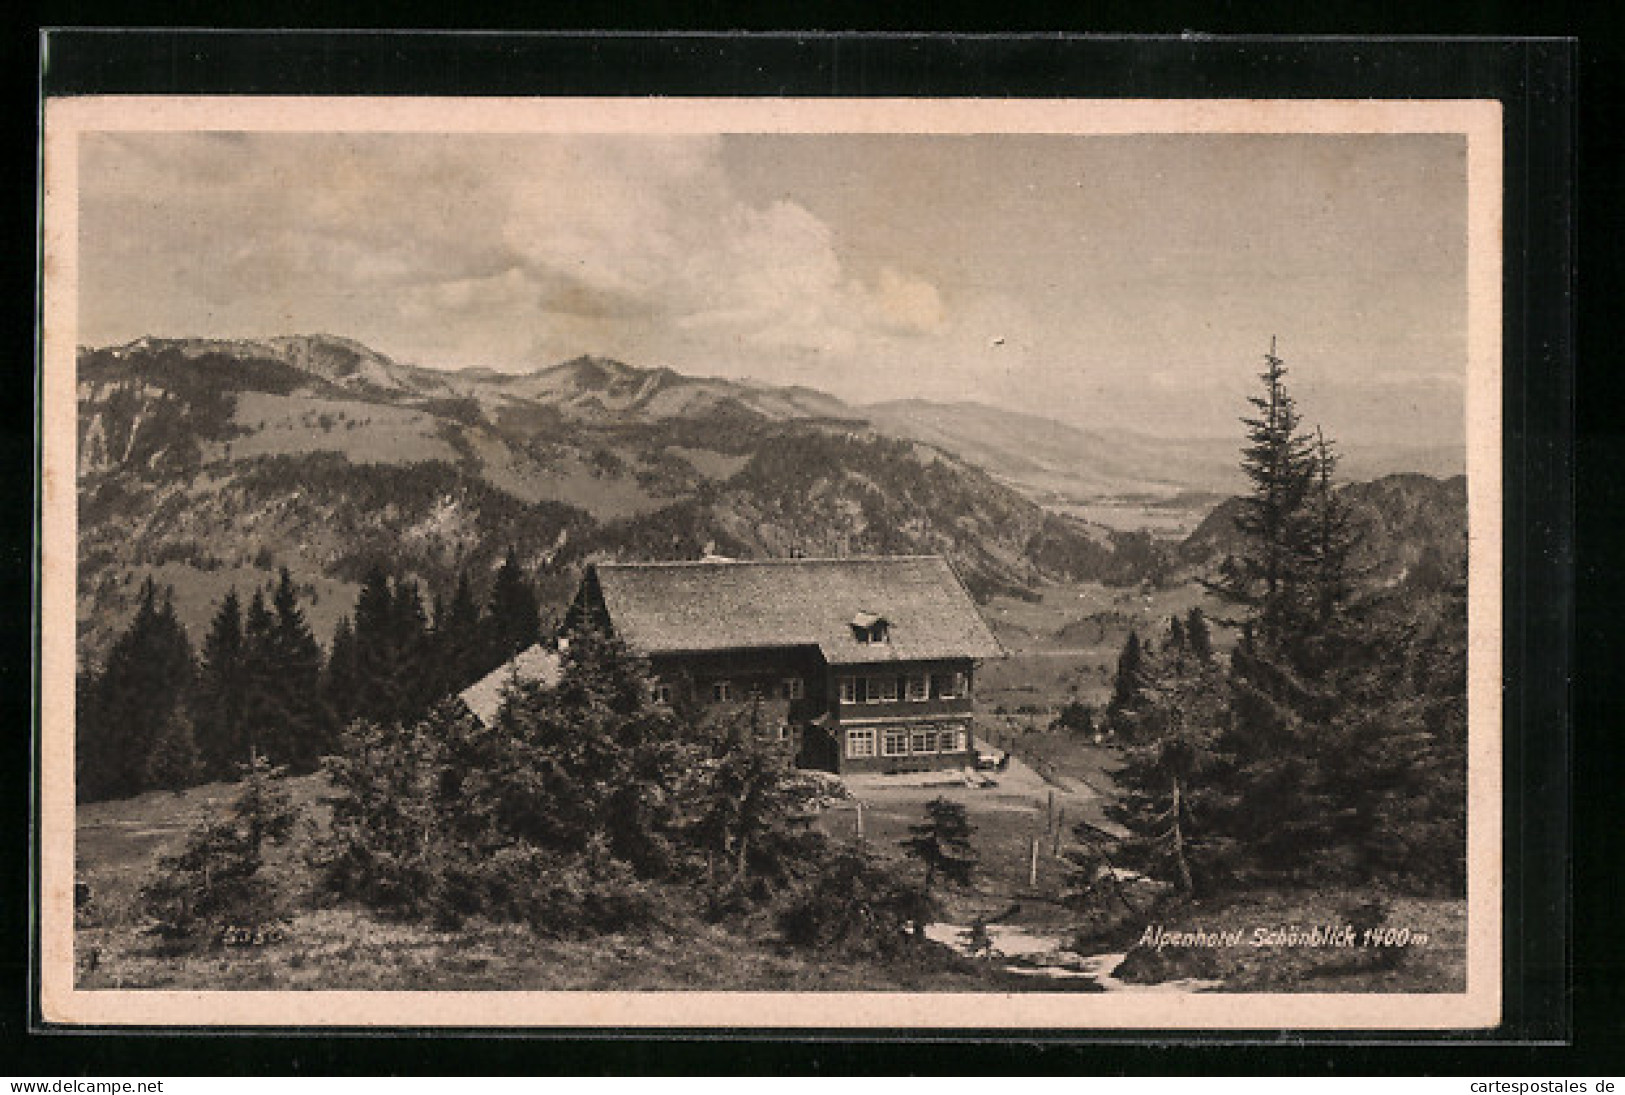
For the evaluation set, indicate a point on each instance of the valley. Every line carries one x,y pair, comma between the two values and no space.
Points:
209,464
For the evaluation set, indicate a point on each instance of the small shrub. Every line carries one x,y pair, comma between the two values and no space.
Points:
216,885
567,898
853,902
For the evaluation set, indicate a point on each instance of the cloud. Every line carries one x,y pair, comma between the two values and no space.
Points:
472,247
908,305
835,262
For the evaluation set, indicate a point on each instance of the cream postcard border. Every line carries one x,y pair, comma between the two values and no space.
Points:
66,118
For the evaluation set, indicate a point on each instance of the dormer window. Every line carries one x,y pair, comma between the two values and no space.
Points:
869,628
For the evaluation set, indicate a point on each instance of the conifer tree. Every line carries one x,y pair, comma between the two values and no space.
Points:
219,697
1076,717
1198,637
1174,798
513,620
149,673
457,633
174,763
416,676
339,676
377,653
615,756
217,881
1126,683
261,693
747,800
296,664
1291,580
1268,578
942,843
1328,558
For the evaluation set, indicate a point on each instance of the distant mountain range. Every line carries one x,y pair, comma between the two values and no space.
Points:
1053,462
1405,521
211,462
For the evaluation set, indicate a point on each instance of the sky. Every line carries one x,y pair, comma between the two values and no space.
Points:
1128,281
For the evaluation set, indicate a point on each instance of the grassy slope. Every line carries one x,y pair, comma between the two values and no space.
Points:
351,948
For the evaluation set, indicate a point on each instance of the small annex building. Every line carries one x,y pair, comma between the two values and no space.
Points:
867,664
536,664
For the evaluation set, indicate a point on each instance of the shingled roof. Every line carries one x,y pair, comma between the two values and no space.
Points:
668,608
534,664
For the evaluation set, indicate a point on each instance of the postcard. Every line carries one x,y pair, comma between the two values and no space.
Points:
771,564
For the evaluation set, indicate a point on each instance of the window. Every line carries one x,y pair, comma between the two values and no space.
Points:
894,743
962,684
923,741
792,688
919,688
783,731
860,743
942,684
868,628
869,690
660,692
951,740
722,692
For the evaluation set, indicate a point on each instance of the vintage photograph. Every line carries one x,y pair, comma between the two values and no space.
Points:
771,563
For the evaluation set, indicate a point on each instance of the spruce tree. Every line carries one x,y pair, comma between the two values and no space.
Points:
1176,634
1125,683
148,675
296,664
262,695
377,655
1268,578
457,633
217,882
219,697
942,843
513,620
417,677
1397,745
1291,581
339,675
174,763
747,800
1198,637
1174,799
1329,564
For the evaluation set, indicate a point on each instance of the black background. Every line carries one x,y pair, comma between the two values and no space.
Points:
1544,233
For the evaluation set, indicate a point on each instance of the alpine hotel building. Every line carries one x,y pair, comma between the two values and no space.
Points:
867,664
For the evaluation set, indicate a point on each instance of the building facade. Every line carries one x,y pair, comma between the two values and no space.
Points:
866,664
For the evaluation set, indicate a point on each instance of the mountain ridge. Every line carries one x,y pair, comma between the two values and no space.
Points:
217,460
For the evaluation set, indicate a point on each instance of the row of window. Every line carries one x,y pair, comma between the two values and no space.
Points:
886,689
903,741
790,688
917,688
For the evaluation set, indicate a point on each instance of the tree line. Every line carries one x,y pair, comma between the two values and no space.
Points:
1331,744
584,808
157,715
